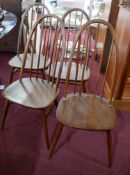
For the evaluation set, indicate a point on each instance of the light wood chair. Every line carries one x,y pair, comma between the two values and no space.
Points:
91,110
31,89
28,18
73,19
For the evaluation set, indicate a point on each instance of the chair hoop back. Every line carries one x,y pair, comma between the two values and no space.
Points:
73,19
28,18
43,49
75,10
92,28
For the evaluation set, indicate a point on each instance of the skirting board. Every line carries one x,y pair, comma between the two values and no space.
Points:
122,104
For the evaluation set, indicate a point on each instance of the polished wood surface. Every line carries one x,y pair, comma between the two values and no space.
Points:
125,84
8,23
111,12
73,71
122,104
89,111
9,42
17,61
122,95
34,93
86,112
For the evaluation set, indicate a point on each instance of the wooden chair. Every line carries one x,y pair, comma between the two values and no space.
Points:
91,110
73,19
31,89
28,18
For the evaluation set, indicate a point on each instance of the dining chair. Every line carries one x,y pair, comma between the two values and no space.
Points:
28,18
73,19
91,110
32,89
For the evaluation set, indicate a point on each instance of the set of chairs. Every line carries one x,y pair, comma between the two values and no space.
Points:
63,51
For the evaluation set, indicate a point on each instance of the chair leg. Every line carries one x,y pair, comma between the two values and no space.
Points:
56,138
84,87
44,123
109,146
6,107
11,75
56,103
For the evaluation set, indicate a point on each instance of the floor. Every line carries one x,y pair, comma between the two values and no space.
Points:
23,150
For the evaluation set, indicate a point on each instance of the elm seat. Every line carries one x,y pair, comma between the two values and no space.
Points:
98,115
18,60
69,44
69,47
73,72
34,93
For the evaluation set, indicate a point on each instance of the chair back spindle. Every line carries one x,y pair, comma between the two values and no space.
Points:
73,20
49,52
28,18
97,81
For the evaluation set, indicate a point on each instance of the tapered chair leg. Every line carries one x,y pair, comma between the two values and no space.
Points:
56,103
44,123
11,75
84,87
55,138
109,146
6,107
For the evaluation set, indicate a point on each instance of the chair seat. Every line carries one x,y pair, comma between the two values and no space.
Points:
73,72
33,92
86,112
69,45
17,61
